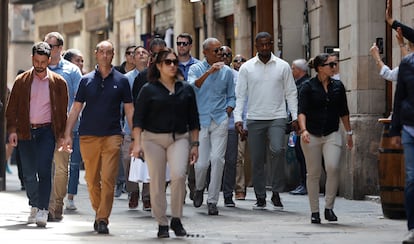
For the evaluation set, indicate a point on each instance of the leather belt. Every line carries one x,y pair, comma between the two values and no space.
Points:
37,126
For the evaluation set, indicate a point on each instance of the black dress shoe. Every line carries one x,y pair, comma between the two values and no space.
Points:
177,227
103,228
198,198
315,218
163,231
330,215
95,225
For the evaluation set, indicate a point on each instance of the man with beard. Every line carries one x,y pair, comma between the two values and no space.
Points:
185,60
268,83
36,118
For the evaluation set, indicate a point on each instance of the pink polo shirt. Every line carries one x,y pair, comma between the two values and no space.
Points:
40,107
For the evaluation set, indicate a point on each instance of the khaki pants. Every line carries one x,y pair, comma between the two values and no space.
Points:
60,180
243,167
330,147
101,158
160,148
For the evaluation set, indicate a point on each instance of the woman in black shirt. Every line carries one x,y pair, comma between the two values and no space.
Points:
322,102
165,120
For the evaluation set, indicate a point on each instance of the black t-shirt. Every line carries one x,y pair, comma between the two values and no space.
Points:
139,82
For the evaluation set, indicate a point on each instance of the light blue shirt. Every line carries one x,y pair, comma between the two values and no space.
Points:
131,75
72,75
185,68
215,94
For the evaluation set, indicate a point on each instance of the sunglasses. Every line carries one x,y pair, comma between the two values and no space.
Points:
331,64
226,55
182,44
216,50
129,53
239,60
171,61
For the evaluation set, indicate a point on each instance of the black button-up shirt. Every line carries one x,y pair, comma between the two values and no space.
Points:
322,109
159,111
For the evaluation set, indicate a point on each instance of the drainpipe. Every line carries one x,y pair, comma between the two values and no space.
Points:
306,31
279,31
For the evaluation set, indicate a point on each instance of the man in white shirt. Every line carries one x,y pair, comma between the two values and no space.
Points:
268,83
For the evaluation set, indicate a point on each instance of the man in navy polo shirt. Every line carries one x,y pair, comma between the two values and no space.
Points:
99,97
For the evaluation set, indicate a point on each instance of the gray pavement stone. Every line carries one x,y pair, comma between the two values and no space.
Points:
359,222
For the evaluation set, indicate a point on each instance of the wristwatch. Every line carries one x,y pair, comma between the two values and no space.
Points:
195,144
349,133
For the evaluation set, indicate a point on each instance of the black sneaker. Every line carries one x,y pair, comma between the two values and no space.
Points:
163,231
277,204
300,190
260,204
103,228
212,209
198,198
177,227
228,202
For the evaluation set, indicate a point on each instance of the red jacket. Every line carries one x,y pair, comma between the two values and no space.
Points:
18,107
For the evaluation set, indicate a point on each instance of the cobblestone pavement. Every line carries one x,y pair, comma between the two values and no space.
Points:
359,222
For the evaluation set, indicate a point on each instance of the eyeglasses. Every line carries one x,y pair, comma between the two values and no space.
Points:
331,64
141,53
53,45
218,49
226,55
182,44
171,61
239,60
129,53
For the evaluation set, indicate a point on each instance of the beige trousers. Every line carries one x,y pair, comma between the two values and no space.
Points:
160,148
330,148
60,180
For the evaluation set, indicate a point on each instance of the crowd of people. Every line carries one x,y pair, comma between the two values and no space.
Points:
204,120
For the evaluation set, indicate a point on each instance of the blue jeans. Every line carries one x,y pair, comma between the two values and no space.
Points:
75,160
36,156
408,145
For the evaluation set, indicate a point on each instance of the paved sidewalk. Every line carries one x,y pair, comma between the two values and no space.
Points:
359,222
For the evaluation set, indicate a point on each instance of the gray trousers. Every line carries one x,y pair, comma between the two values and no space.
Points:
261,131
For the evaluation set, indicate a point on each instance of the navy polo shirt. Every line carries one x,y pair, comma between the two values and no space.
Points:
102,100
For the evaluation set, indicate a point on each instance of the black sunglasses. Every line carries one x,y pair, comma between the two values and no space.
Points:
331,64
216,50
239,60
171,61
129,53
182,44
226,55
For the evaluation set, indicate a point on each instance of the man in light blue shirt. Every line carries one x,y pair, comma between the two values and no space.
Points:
72,75
213,84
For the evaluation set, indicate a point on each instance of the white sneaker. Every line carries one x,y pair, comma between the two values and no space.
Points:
410,237
41,218
70,205
32,216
